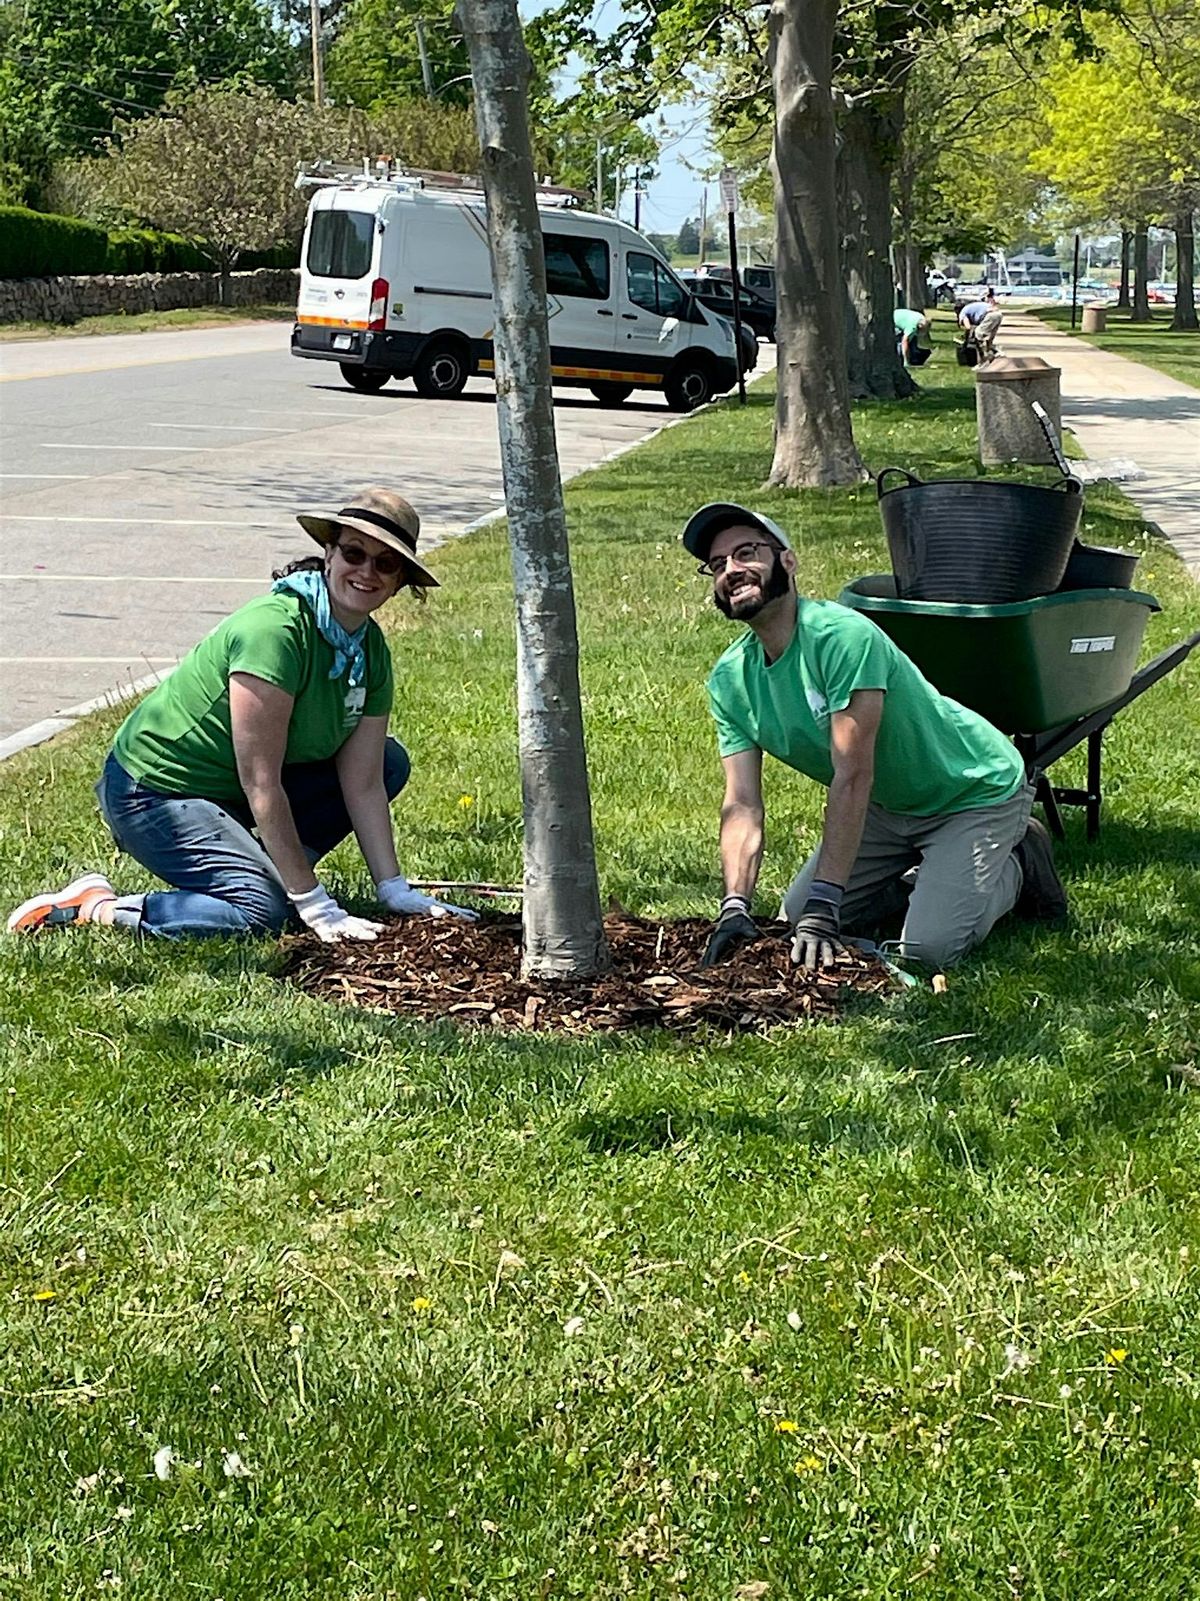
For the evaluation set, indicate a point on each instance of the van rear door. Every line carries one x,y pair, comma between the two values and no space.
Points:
338,276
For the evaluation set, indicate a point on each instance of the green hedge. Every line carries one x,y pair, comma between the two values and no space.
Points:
36,245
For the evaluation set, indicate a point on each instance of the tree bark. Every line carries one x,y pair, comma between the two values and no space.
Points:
1185,273
814,441
1123,300
1141,274
870,133
914,277
563,926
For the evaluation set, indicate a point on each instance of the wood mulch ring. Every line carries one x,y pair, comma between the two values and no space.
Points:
470,973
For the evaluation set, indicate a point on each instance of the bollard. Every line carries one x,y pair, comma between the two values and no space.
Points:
1004,393
1095,319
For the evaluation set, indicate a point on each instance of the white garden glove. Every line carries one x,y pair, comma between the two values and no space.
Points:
329,921
398,895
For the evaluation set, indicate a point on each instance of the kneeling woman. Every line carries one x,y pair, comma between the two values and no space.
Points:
276,723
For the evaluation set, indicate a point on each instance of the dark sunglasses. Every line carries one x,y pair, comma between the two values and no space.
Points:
385,563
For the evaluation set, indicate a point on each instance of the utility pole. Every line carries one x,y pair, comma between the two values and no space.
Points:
314,12
703,218
637,197
426,74
599,176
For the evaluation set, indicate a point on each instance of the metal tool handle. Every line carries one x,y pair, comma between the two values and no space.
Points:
1043,417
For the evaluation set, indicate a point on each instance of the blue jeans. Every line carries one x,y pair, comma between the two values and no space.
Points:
224,881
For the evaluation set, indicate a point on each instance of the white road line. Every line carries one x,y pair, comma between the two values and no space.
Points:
45,661
118,578
76,446
222,427
140,522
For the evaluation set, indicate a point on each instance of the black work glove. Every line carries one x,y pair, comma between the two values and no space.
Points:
817,934
734,927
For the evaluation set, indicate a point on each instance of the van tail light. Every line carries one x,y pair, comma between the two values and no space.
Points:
377,321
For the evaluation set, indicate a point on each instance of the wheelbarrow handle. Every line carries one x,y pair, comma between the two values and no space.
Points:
913,480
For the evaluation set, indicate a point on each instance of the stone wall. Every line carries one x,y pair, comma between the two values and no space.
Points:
68,299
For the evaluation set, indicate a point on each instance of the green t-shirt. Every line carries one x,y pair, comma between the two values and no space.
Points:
178,740
907,322
931,754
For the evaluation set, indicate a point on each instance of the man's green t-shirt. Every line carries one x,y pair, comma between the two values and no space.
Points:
907,322
178,740
931,754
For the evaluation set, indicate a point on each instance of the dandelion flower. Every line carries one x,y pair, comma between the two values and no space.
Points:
421,1303
43,1295
466,802
808,1464
1116,1356
786,1426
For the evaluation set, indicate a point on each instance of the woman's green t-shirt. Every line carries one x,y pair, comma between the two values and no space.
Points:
178,740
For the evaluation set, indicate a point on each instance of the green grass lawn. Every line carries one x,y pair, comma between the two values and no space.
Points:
143,322
1156,343
905,1307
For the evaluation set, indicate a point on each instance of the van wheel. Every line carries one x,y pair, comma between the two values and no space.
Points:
441,372
367,380
688,386
611,394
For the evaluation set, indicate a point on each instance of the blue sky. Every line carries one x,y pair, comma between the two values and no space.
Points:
675,194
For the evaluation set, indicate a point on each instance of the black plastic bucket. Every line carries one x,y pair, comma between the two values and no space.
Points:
975,541
1099,567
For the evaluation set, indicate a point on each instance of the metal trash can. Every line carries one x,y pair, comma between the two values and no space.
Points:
1004,392
1095,319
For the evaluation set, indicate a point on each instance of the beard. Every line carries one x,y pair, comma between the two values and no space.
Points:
773,586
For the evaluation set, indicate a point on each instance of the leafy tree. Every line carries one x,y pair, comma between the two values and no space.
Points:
62,91
688,241
218,164
1124,136
375,59
664,243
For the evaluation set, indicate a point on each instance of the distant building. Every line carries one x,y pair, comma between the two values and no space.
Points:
1030,267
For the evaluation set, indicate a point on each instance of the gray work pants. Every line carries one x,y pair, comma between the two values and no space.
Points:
966,877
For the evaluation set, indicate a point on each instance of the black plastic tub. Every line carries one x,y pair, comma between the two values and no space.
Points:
977,542
1099,567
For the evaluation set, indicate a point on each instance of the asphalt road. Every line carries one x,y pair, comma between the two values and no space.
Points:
148,484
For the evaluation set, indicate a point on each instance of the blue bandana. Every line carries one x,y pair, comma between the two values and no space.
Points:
349,650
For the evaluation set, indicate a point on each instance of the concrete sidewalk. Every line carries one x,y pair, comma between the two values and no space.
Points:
1120,409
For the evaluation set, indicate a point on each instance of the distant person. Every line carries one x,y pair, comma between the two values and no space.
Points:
263,750
980,320
910,327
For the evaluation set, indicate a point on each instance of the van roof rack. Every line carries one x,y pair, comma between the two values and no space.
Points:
394,174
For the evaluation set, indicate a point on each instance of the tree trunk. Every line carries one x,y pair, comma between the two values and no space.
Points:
870,133
914,277
1185,273
1123,300
814,442
225,281
1141,274
563,927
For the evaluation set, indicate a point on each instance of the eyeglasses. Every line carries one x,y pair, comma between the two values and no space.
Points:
742,554
385,564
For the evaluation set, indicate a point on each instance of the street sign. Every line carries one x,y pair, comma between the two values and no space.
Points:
729,188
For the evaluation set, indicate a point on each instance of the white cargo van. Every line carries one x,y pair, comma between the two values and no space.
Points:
395,282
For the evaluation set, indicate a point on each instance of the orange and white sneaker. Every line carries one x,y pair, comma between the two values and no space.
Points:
75,904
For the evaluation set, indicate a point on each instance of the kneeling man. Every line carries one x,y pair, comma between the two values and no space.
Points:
915,780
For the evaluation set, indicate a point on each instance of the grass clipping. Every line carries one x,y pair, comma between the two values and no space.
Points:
470,973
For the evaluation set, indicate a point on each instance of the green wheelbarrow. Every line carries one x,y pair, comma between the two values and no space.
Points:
1051,671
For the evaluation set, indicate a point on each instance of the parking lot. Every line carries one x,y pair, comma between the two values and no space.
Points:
148,485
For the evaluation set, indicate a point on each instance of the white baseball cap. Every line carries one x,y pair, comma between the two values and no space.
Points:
705,524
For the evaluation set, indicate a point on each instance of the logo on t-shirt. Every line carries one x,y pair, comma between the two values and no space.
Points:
356,699
817,705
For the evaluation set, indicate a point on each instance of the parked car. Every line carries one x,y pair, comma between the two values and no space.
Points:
757,313
761,280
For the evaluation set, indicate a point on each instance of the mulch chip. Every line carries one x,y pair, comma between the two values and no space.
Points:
470,973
